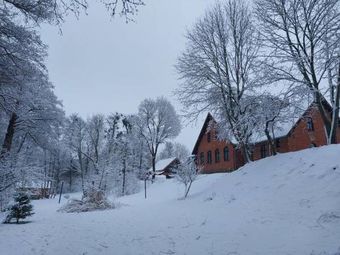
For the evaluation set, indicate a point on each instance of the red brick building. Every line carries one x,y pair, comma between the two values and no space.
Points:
224,156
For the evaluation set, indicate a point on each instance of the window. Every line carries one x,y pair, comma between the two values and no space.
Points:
202,158
216,135
209,137
226,154
209,159
310,124
263,151
217,155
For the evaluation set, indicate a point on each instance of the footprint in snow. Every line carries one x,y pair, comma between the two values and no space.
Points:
329,217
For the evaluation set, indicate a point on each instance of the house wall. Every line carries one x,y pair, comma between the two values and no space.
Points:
302,138
298,138
222,165
283,147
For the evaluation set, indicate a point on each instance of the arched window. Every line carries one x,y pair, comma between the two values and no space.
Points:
226,154
209,137
209,158
202,158
310,124
217,155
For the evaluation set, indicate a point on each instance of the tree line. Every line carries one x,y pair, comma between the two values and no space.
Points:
39,143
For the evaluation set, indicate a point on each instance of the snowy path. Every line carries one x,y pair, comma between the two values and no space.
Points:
288,204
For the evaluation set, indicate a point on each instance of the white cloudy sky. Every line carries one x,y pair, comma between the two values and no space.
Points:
103,65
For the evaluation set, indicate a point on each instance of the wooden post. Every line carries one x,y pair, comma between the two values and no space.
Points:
61,191
145,187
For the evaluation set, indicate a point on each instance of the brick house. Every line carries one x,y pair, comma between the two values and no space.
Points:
223,156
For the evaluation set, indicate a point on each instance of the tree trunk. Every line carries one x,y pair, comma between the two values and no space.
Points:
272,145
245,152
7,144
327,120
153,166
124,176
335,113
187,190
71,179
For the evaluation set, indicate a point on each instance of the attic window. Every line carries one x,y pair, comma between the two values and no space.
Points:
209,137
310,124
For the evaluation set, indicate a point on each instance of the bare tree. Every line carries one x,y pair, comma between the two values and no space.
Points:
54,11
302,47
217,69
186,173
274,113
176,150
157,122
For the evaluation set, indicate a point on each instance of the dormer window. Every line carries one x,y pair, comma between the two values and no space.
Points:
310,124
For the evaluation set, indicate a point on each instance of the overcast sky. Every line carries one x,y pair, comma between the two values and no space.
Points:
103,65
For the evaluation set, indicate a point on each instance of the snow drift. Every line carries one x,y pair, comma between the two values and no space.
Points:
287,204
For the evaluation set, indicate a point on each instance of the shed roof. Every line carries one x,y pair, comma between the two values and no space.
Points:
164,163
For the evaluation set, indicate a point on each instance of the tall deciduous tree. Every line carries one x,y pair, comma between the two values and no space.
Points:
176,150
217,69
157,122
302,47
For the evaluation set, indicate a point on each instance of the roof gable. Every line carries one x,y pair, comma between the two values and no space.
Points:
203,131
164,163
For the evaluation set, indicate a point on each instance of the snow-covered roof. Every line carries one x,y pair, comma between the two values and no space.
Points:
161,164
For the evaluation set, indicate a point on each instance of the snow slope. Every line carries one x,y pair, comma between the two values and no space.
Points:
288,204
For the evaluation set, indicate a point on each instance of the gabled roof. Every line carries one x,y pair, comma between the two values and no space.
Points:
286,131
203,130
206,123
164,163
326,106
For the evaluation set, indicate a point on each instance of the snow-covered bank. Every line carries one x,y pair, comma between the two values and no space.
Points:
288,204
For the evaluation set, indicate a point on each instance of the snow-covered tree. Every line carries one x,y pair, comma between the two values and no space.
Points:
174,150
217,69
302,39
21,209
157,122
186,173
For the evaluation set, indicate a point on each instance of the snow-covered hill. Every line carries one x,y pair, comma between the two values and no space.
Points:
288,204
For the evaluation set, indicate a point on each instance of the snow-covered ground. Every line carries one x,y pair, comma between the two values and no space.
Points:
288,204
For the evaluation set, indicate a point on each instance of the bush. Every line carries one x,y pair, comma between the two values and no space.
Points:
21,209
92,200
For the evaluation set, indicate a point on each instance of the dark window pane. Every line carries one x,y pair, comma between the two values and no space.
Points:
209,137
226,154
310,124
217,155
202,158
209,158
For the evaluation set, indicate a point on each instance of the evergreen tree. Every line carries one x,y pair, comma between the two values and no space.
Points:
21,209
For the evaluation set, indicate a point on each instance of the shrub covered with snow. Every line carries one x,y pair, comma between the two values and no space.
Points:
20,209
92,200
